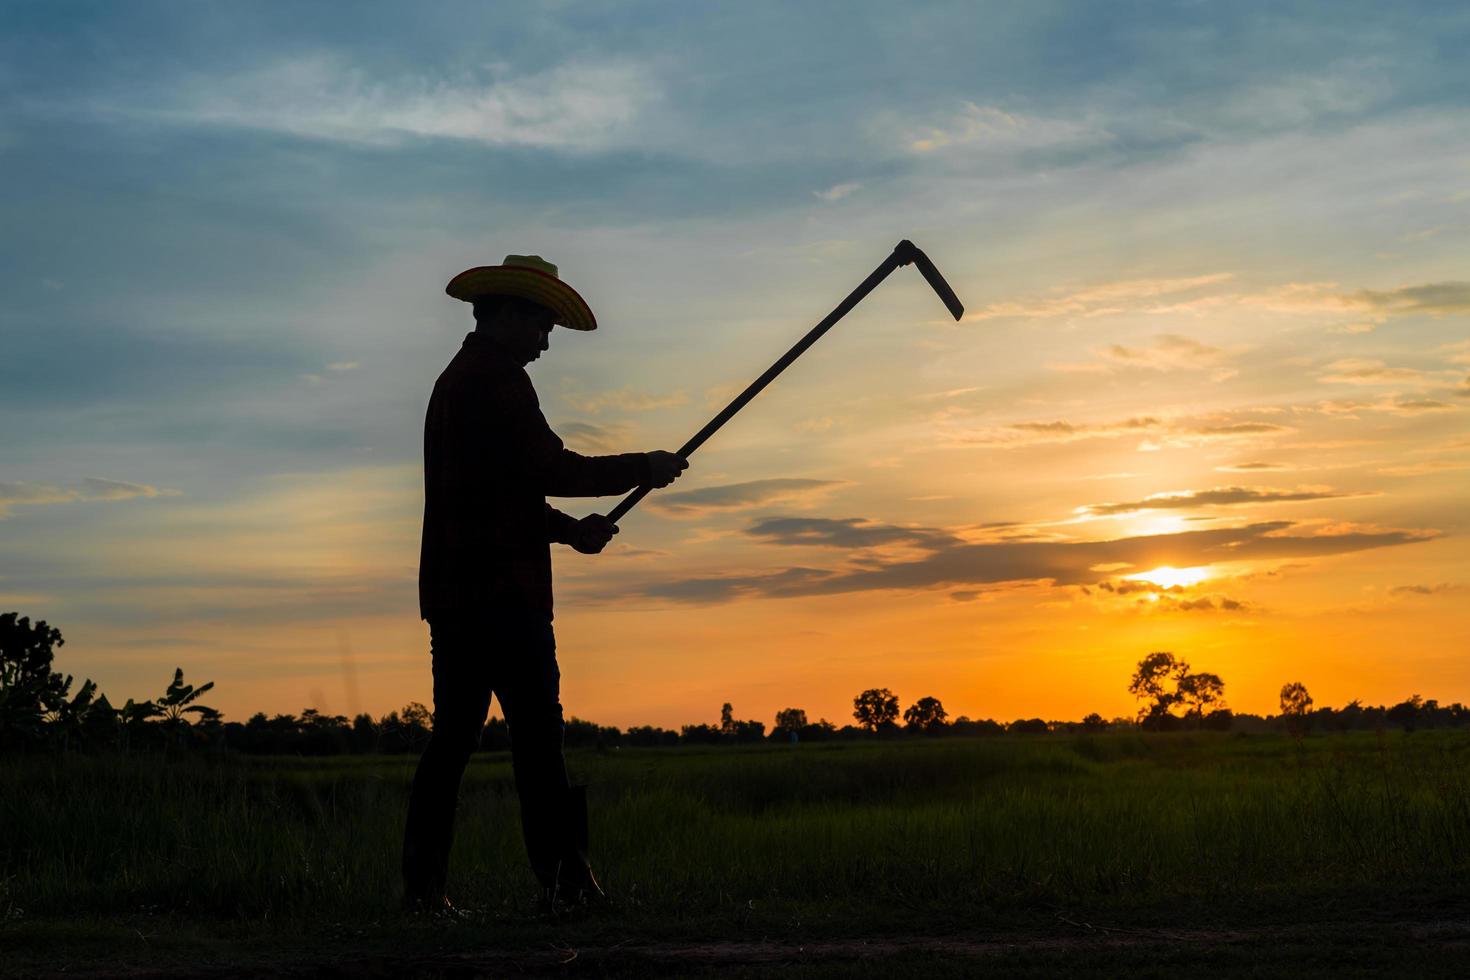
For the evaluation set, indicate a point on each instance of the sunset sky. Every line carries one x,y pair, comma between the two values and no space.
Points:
1210,394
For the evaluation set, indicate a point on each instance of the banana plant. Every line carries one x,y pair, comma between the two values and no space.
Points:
178,701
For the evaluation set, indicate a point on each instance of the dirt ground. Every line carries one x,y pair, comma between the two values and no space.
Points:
1068,946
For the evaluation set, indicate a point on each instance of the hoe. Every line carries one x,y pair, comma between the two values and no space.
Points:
903,253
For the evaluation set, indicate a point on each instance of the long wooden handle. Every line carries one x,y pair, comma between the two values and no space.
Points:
903,253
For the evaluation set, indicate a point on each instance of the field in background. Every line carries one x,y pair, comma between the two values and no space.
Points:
1097,836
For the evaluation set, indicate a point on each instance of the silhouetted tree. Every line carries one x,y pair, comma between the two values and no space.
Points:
1199,692
650,736
177,702
1296,704
875,708
1163,680
1220,720
1094,723
28,686
1156,681
926,715
982,726
1028,726
790,720
1405,714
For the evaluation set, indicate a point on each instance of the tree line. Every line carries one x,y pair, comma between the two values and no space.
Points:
38,710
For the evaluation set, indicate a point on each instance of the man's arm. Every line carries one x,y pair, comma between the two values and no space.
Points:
589,535
539,456
560,528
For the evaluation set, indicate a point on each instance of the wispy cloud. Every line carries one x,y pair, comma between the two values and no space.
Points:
1203,293
1431,297
977,127
1391,404
89,489
1366,371
740,496
1104,299
1252,467
849,532
623,399
1216,497
1443,588
952,563
583,105
838,191
1168,352
597,439
1174,431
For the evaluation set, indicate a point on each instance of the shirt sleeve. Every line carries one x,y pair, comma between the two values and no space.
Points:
557,470
560,528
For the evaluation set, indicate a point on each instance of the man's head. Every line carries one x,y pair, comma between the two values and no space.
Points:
519,327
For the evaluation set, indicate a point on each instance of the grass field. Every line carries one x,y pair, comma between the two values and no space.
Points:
1085,855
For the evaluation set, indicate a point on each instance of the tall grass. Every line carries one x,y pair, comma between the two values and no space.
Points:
916,824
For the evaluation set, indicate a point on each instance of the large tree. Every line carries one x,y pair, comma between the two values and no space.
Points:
925,714
1155,682
790,720
875,708
1200,693
29,688
1295,705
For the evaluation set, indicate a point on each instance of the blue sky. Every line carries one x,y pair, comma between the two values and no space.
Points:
229,230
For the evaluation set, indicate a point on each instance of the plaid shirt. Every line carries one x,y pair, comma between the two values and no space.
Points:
490,459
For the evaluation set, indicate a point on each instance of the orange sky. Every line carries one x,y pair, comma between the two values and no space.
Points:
1218,320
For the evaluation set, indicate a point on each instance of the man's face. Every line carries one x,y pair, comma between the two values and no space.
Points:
524,333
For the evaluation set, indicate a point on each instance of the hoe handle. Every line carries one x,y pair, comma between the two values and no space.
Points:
903,253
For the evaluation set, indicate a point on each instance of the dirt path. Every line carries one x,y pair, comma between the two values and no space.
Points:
1373,947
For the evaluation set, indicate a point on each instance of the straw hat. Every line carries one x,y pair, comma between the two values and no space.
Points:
529,277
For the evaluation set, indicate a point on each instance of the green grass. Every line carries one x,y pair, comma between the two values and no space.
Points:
913,837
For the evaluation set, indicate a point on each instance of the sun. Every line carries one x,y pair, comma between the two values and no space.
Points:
1166,577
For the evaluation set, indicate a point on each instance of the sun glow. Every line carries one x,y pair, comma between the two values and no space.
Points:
1167,577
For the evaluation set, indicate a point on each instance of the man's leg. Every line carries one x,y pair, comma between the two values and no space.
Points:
461,701
528,684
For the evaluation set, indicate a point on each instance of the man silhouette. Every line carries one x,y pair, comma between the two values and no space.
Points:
490,459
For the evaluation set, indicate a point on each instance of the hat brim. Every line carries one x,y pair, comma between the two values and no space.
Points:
570,308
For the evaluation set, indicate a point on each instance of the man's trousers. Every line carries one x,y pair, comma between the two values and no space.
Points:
512,654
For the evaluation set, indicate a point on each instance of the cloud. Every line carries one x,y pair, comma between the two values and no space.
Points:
983,128
1231,429
1217,497
89,489
838,191
955,564
1058,431
602,439
1165,296
1179,431
1443,588
1253,467
739,496
1168,352
1431,297
1174,598
1392,404
583,105
623,399
1106,299
1365,371
1424,469
850,532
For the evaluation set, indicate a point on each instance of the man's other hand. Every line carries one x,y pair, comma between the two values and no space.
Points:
666,467
593,533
